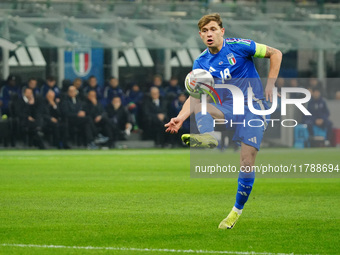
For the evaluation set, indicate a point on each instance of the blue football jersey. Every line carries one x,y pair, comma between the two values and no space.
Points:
233,65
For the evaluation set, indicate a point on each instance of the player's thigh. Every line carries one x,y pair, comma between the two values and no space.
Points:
215,112
211,109
250,129
218,111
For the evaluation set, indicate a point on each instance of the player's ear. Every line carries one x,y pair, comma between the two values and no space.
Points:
200,33
222,31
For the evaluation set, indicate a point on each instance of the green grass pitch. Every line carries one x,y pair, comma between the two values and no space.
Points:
141,199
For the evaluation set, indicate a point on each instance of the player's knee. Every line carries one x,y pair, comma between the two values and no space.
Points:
247,162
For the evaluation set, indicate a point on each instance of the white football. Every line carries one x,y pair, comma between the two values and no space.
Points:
199,81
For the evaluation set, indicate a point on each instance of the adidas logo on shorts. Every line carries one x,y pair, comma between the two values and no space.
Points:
253,140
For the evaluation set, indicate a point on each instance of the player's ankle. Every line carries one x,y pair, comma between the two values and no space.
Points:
215,135
239,211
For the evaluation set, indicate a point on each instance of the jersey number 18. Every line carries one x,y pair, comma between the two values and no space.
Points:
225,75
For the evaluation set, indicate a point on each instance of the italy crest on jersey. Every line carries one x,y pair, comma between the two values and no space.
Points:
231,59
81,61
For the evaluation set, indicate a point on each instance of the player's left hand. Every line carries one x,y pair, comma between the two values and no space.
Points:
173,125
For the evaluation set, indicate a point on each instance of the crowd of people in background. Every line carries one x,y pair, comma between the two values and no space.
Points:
83,113
317,105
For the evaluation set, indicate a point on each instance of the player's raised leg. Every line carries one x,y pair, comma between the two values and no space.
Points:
245,184
205,125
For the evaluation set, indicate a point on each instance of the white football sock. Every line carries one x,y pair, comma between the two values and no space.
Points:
216,135
237,210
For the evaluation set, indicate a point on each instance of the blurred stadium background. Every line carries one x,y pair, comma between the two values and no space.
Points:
136,40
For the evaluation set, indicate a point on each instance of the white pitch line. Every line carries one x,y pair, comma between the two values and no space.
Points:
139,249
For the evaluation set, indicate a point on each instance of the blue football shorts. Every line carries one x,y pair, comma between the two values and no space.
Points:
249,128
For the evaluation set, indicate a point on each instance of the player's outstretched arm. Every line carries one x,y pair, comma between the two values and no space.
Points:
176,123
275,57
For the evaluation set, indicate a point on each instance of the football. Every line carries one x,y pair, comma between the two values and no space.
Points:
199,81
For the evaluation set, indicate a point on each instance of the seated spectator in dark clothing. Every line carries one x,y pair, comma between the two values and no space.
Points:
32,84
9,90
64,86
119,119
53,121
78,83
113,90
158,83
134,94
30,111
73,111
51,84
92,84
314,83
174,109
294,83
318,108
154,116
99,117
134,101
173,90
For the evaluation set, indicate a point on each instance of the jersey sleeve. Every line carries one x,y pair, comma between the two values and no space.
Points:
196,65
244,47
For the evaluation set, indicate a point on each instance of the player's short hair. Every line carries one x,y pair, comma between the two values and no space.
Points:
210,17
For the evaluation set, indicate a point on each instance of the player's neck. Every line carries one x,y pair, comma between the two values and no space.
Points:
215,50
